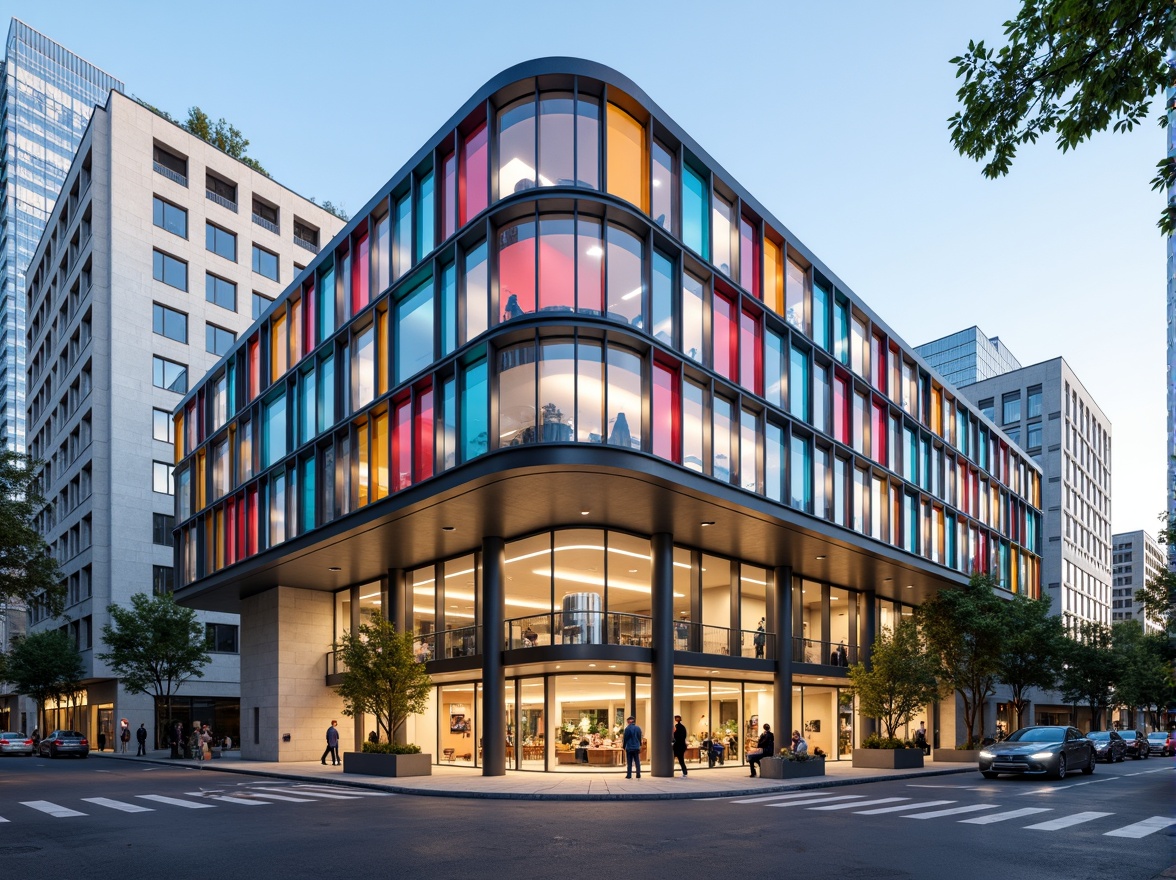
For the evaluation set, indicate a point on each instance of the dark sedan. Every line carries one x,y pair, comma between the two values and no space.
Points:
64,742
1159,742
1108,745
1032,750
1136,743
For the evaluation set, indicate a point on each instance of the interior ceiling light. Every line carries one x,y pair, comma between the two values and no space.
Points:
585,512
709,522
334,568
820,557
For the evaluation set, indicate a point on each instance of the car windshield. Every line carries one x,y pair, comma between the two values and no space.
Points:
1038,735
1098,734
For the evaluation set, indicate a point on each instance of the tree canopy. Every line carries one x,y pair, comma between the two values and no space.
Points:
26,568
1034,643
383,676
1070,67
1145,671
45,666
1090,670
899,680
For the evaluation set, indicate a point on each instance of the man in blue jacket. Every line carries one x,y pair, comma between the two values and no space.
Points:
631,742
332,744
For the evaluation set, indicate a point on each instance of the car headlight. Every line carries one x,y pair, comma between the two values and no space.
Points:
1041,756
984,753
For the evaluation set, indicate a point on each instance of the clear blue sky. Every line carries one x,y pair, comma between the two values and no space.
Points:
832,114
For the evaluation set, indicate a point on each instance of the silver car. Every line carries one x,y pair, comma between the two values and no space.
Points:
64,742
1031,750
13,742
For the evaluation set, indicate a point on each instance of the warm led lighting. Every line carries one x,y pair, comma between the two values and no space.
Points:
820,557
334,568
631,294
585,512
910,586
595,251
591,665
612,666
709,522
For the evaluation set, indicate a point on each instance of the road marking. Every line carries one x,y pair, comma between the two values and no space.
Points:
360,792
282,797
818,800
901,808
924,785
118,805
318,794
889,800
52,809
935,814
176,802
2,819
776,797
1142,829
226,798
1067,821
1000,817
1053,789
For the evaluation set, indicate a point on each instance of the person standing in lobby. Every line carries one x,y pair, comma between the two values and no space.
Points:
680,743
332,745
631,742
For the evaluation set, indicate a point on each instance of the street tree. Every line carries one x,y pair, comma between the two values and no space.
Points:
1090,670
1034,643
1145,674
964,630
1070,67
27,570
154,646
899,680
383,677
44,666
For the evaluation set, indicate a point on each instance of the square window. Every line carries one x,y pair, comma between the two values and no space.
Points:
161,478
265,263
169,375
220,242
220,292
162,426
171,217
170,323
218,340
171,271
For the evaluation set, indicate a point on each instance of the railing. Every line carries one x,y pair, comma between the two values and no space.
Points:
303,243
169,174
824,653
447,645
703,639
335,666
579,628
265,224
221,200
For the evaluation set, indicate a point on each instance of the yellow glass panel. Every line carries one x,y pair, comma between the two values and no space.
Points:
936,408
363,478
773,276
278,351
628,159
380,456
178,431
382,352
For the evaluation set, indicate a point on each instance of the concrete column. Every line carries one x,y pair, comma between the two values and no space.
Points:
866,726
395,594
353,624
661,691
493,727
781,624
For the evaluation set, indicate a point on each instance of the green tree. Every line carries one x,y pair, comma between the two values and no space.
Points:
27,571
900,679
1074,67
1090,670
1034,643
383,676
154,646
1145,679
965,631
44,666
1158,595
223,135
331,208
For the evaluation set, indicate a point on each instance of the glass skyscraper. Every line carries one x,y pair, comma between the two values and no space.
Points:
968,356
46,99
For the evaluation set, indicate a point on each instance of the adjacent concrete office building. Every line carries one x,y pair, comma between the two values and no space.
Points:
47,97
1138,558
568,402
160,252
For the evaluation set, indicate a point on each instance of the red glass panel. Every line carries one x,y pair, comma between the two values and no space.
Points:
557,264
516,270
424,433
254,368
841,408
667,416
726,345
878,362
473,179
749,257
402,446
448,195
879,433
751,354
251,521
360,294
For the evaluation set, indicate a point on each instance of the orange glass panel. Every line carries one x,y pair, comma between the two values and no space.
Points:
363,477
380,456
628,159
178,435
278,353
773,276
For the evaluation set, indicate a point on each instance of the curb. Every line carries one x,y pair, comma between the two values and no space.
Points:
824,782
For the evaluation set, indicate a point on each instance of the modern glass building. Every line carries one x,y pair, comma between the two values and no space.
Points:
569,403
968,356
47,98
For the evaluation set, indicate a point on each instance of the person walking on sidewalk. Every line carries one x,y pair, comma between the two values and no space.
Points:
141,736
631,742
680,743
332,745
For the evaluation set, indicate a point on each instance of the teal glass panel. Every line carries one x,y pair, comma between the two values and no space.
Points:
798,384
274,429
426,224
774,368
949,533
306,508
695,215
841,330
414,332
661,317
232,374
325,291
449,423
912,456
475,436
820,314
448,309
800,473
326,393
307,415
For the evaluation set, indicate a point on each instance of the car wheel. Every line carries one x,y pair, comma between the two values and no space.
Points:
989,774
1089,768
1061,772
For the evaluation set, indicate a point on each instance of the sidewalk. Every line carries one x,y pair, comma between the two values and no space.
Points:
468,782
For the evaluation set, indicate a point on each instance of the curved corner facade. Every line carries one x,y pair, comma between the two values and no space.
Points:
566,401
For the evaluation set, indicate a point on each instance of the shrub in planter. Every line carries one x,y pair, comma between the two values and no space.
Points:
386,748
877,741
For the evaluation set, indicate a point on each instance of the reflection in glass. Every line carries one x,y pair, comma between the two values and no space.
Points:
589,393
692,426
626,285
722,216
693,293
589,266
477,298
516,147
721,469
557,263
695,226
557,123
664,191
557,391
662,299
516,269
588,142
516,395
624,398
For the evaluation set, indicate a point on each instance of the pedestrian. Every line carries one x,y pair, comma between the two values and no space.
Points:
760,638
205,743
332,745
141,736
124,735
680,743
101,740
799,745
177,737
765,746
921,738
631,742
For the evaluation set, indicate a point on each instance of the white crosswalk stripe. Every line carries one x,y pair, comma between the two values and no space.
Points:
1002,817
776,797
52,809
899,809
175,802
2,819
888,800
1142,829
935,814
317,794
818,800
247,802
118,805
282,797
361,792
1067,821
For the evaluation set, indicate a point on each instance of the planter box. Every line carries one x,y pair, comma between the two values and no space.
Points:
956,756
888,759
373,764
778,768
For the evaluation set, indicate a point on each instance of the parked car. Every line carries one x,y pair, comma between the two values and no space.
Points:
1136,743
1032,750
64,742
14,743
1109,746
1159,742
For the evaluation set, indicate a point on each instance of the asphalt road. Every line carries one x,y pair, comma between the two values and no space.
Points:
71,818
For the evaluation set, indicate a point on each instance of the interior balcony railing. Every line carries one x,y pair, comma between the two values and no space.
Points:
579,628
448,644
824,653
